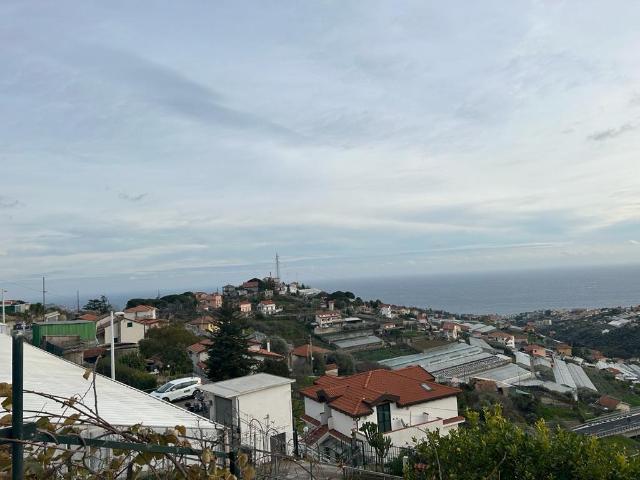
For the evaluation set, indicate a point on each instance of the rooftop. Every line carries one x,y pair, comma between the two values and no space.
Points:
305,350
119,404
244,385
140,308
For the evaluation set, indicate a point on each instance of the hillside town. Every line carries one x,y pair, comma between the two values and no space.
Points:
315,368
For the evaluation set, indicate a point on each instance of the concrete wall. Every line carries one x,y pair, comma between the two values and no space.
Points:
262,414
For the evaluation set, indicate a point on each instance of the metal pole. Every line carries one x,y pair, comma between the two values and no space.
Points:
3,290
44,302
113,351
17,452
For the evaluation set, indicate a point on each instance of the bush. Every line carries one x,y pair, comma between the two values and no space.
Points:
495,447
127,375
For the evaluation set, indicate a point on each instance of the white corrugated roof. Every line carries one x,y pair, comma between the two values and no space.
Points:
118,403
243,385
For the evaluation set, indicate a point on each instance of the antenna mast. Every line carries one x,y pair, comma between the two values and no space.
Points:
277,267
44,308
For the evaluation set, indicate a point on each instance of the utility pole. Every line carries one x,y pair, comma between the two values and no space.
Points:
3,292
277,266
44,310
113,351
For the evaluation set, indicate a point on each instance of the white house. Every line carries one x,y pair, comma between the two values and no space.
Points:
257,406
141,312
506,339
402,403
293,288
124,330
385,311
198,354
268,307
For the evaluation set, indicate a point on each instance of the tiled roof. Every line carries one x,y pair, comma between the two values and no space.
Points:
200,347
304,350
266,302
609,402
266,353
310,420
357,394
140,308
92,317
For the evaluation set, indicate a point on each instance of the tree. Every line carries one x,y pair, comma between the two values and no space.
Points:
274,367
491,446
345,362
100,305
377,441
228,356
170,343
319,364
279,345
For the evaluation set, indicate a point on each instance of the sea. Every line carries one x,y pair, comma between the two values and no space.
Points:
482,293
502,292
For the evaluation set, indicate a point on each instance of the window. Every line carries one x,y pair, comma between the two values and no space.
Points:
384,417
129,324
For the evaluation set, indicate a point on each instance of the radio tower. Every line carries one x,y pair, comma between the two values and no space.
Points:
277,267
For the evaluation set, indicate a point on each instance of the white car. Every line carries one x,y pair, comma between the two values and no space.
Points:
178,389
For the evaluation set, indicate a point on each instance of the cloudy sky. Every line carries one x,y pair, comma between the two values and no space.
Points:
181,144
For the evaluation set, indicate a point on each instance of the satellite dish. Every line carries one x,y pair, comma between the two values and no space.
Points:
305,429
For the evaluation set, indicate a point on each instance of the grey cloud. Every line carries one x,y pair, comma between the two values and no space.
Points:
171,90
131,198
611,133
8,203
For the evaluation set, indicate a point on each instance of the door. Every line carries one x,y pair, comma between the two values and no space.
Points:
278,443
223,411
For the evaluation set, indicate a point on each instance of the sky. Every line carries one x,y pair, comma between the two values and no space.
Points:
180,145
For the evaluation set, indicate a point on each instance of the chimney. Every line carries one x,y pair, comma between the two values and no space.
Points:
268,345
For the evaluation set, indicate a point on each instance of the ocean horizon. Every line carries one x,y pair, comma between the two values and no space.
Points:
505,292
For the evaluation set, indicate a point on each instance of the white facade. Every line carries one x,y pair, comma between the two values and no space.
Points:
267,308
140,315
125,331
406,422
261,404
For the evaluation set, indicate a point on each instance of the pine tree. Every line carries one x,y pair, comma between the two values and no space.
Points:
228,357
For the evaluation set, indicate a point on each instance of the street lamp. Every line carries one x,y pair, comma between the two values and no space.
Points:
113,347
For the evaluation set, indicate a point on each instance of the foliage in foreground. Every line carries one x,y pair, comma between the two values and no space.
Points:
494,448
52,460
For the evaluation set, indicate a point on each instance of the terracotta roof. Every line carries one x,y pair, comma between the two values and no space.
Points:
151,321
609,402
140,308
457,419
92,317
499,335
265,353
310,420
304,350
451,326
200,347
356,395
93,352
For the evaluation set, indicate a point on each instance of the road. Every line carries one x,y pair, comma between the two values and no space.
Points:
612,424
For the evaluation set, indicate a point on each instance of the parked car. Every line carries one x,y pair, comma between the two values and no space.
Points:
178,389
